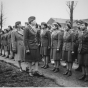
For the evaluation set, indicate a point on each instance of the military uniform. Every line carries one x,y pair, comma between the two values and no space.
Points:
31,43
67,46
45,42
2,47
83,49
18,44
56,43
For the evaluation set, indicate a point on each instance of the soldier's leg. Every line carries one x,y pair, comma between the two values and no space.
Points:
4,51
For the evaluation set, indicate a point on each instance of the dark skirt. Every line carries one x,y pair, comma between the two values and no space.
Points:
67,56
44,51
56,56
83,59
34,56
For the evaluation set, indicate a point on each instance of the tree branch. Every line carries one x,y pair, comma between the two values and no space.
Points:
68,4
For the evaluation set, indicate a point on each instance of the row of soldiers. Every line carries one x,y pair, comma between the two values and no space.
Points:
53,42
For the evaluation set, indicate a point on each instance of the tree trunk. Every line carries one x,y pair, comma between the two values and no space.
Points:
71,13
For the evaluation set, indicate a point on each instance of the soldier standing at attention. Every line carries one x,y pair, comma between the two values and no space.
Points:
56,45
83,52
2,47
68,50
9,42
45,44
5,42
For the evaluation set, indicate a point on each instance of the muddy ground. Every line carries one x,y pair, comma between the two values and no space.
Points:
10,76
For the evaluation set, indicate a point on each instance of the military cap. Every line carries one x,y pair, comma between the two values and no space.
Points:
6,30
18,22
43,23
26,23
58,24
31,18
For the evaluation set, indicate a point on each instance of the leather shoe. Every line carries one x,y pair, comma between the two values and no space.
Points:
53,69
47,66
56,70
69,73
3,55
82,77
43,66
86,78
66,72
79,69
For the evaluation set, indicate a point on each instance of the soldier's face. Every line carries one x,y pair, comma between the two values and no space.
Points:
19,26
78,25
83,26
42,26
33,22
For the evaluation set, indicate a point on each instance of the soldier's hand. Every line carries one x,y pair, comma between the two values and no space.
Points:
57,49
72,52
48,47
14,51
27,51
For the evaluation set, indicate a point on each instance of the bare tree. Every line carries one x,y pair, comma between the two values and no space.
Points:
71,5
2,17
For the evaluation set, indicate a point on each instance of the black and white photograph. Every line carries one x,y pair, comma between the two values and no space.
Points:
43,43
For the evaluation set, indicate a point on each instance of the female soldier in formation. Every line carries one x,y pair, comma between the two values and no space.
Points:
5,41
11,55
2,47
45,44
83,52
68,49
56,45
31,45
18,44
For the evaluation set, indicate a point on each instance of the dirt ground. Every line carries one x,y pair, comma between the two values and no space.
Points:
10,76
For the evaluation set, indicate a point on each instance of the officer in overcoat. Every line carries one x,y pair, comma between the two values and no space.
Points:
32,53
18,44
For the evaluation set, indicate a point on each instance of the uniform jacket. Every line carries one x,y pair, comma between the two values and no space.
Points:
68,41
30,38
5,39
84,40
56,39
45,38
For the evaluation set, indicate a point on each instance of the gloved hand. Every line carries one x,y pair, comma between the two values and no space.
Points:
57,50
28,51
14,51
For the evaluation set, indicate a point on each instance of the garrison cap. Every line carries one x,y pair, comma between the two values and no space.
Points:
31,18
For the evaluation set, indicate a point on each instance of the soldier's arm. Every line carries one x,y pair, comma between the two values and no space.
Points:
59,40
13,41
26,33
49,38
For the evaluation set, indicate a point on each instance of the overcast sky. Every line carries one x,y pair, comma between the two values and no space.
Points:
43,10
